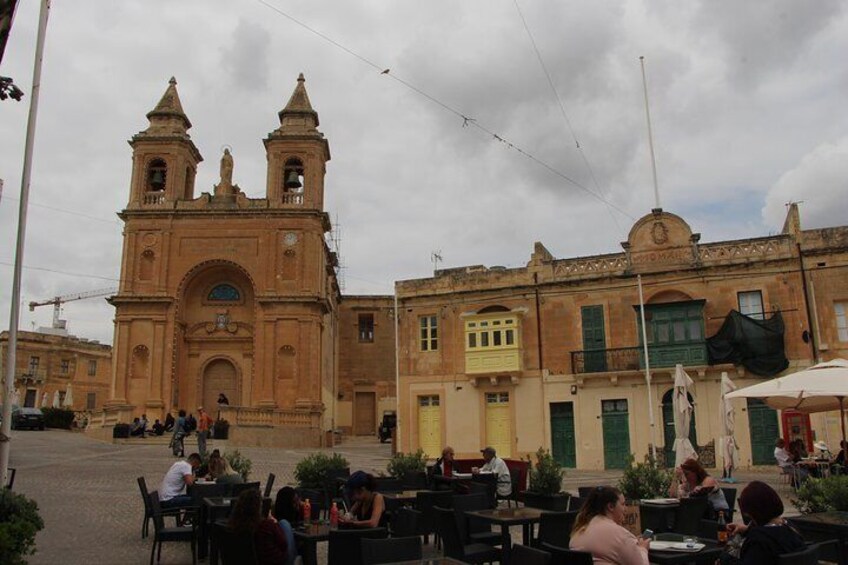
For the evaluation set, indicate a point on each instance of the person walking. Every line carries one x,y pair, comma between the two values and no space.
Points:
180,433
204,424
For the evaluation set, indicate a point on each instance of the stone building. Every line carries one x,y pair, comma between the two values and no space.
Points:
47,364
221,293
550,355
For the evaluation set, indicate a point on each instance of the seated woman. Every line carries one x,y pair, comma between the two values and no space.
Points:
767,535
369,507
693,480
268,538
598,530
221,472
837,464
287,511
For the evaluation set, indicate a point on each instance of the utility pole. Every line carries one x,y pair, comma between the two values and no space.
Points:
14,316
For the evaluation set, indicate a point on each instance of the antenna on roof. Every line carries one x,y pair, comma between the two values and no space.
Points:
650,136
436,258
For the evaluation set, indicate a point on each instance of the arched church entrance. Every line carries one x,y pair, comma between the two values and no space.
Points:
219,376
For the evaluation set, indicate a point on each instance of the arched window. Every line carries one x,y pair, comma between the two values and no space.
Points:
224,293
293,179
157,173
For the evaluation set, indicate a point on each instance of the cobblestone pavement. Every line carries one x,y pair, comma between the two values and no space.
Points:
87,493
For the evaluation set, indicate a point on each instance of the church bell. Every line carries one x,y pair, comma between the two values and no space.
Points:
293,180
157,180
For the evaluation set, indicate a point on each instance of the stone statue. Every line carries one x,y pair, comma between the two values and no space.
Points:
226,185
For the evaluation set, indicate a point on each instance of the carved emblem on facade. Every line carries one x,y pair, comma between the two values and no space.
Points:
222,323
659,233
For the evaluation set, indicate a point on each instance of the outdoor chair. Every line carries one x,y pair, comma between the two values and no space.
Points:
198,492
404,522
391,550
809,556
730,497
415,480
689,515
269,485
162,534
555,528
708,529
575,503
514,476
234,548
345,546
454,547
237,489
530,556
425,501
388,484
473,530
563,556
148,510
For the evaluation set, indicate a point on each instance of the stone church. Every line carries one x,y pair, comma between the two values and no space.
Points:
222,293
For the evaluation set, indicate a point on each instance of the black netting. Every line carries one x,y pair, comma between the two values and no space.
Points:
755,344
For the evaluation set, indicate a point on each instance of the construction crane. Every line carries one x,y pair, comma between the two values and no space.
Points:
57,302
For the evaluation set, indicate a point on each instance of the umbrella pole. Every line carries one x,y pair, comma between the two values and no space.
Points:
842,417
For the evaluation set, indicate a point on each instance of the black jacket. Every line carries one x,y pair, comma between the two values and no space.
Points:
764,543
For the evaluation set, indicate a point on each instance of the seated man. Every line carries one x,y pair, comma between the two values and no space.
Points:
784,461
135,428
158,428
172,493
496,465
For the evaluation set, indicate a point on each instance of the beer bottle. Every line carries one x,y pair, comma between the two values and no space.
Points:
722,529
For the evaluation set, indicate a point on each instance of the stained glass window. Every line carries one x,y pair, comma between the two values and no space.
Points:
224,293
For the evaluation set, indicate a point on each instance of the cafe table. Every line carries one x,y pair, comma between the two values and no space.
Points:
825,526
404,496
708,554
308,537
506,517
213,508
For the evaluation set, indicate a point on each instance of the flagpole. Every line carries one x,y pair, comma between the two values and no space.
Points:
650,136
647,371
15,311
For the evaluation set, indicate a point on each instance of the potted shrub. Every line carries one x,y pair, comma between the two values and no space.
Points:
315,470
545,488
645,480
240,464
19,522
822,495
221,428
411,468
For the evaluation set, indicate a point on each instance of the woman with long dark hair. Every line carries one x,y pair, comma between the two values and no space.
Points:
767,535
287,511
598,529
368,505
692,480
268,538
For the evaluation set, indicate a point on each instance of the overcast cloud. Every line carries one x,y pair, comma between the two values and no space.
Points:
748,102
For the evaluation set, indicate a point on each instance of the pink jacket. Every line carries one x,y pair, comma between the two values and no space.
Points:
609,543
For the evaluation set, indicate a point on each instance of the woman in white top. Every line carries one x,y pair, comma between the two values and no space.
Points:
598,530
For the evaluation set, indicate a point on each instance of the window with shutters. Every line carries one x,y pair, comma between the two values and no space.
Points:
492,343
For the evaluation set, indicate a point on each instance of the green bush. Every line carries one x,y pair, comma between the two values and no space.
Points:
313,470
58,418
644,480
401,464
545,474
822,495
19,522
240,464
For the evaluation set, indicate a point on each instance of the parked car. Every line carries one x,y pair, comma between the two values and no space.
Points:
387,425
31,418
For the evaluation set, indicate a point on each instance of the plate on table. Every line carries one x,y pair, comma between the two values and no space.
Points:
660,501
676,546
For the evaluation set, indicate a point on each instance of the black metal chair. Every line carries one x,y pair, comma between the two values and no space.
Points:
474,530
162,534
708,529
425,501
447,529
555,528
689,514
269,485
404,522
237,489
415,480
148,510
563,556
809,556
345,546
234,548
575,503
514,476
391,550
530,556
730,497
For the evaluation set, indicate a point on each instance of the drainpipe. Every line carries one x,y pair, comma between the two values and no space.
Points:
812,334
541,359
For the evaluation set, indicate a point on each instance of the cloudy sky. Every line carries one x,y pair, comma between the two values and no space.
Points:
747,101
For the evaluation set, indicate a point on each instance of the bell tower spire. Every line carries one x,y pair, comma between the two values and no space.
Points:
297,155
164,156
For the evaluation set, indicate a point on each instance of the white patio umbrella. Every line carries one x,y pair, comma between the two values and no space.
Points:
69,397
683,448
729,449
44,401
56,402
820,388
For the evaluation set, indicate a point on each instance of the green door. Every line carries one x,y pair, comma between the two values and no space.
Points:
764,431
616,427
562,434
594,339
668,426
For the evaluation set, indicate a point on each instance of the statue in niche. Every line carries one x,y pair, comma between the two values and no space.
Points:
225,187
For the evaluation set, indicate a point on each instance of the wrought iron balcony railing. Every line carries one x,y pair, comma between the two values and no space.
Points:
632,358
